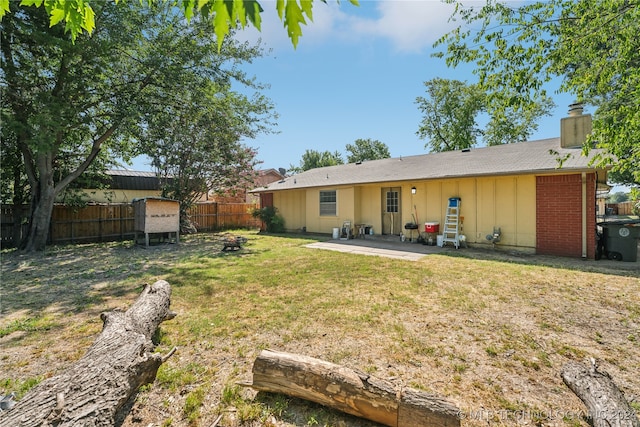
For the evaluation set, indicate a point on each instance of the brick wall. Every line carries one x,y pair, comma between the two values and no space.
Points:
559,215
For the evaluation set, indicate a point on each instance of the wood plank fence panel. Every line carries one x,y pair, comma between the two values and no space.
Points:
204,216
11,230
115,222
96,223
625,208
234,215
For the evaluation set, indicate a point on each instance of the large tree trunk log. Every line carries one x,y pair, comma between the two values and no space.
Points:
349,391
93,391
606,405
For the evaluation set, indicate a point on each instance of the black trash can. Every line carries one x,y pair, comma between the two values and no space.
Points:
621,239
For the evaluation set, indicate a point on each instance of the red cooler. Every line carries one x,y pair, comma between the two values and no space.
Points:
431,227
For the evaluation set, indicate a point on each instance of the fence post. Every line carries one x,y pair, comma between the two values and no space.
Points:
73,231
217,216
121,226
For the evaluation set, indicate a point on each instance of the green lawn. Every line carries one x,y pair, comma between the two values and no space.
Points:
489,335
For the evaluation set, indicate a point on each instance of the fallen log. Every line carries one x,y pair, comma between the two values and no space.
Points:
350,391
605,402
94,390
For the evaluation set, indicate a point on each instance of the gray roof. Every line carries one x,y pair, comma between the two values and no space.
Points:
134,180
531,157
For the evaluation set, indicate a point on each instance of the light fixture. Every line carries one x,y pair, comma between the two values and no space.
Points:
413,190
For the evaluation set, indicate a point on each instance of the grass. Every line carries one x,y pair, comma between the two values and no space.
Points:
483,333
28,324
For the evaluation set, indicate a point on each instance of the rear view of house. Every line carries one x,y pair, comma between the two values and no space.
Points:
540,195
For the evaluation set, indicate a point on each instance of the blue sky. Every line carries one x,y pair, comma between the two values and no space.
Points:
356,73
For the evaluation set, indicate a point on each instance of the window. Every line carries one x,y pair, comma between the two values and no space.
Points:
392,201
328,203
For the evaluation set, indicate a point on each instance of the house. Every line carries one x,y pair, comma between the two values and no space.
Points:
125,186
519,188
242,195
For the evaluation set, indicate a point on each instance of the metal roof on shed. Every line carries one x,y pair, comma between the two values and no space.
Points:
133,180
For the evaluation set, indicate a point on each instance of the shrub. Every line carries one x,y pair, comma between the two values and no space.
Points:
269,215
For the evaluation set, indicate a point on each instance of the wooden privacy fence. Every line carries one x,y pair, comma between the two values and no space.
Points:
114,222
622,208
223,216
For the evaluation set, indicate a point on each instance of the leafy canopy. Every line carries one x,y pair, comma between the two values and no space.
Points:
366,149
451,111
195,142
312,159
361,150
592,46
69,107
78,16
450,114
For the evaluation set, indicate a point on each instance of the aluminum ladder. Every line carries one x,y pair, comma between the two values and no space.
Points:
452,223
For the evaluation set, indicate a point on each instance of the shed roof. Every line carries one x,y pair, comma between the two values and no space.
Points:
531,157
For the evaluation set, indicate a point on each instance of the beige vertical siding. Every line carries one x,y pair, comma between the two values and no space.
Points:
292,206
506,202
369,207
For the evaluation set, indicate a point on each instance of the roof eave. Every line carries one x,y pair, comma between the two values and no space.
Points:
547,171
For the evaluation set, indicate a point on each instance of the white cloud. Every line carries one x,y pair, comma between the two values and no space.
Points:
326,18
409,25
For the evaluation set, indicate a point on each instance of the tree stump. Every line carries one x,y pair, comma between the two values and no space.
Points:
233,242
605,402
350,391
94,390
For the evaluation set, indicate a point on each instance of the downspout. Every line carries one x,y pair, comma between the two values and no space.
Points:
584,215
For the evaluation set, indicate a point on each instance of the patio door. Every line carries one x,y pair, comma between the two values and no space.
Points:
391,214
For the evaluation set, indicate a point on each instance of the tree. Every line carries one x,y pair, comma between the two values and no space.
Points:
450,114
591,46
312,159
618,197
623,177
451,111
195,143
96,389
366,149
78,15
634,197
70,103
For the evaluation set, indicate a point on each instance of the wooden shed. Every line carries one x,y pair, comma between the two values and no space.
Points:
157,217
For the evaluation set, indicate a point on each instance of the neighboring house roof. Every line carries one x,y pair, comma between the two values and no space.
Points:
137,180
267,176
133,180
523,157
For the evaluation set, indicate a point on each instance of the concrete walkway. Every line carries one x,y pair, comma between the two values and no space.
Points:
409,251
392,247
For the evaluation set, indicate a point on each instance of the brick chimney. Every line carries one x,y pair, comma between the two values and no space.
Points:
575,128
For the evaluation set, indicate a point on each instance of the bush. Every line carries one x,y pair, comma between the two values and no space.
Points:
634,195
269,215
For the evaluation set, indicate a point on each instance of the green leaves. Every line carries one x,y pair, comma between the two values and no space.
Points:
79,17
366,149
4,7
76,14
293,15
312,159
590,46
450,110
